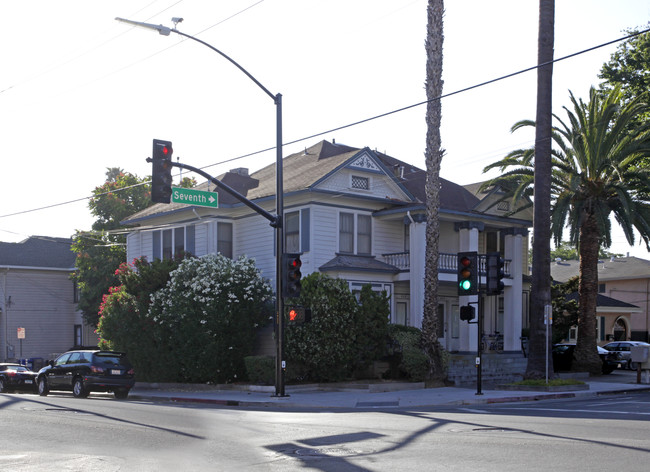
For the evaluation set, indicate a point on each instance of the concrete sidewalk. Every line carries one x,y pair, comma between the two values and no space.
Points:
350,396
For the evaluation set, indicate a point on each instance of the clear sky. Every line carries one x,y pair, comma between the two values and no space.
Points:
81,92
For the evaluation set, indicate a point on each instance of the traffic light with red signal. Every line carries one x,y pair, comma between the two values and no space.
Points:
468,273
161,176
291,275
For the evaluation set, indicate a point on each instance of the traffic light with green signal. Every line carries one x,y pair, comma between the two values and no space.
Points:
468,273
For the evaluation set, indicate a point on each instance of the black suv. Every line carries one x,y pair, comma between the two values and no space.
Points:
88,371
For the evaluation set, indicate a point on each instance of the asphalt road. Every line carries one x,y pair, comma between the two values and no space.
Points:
61,433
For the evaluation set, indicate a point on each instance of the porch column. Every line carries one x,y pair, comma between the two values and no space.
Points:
468,241
417,244
512,294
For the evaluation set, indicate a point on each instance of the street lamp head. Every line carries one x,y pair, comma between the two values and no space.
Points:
164,30
176,21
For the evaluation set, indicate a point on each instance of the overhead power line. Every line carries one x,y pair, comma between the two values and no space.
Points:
365,120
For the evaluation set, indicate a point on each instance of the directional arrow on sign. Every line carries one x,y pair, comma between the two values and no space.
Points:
191,196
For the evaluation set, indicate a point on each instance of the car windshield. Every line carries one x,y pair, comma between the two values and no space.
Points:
17,368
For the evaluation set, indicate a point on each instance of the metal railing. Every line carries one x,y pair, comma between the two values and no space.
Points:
446,262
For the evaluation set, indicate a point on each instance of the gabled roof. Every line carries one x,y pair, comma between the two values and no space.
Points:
619,268
603,301
302,171
38,251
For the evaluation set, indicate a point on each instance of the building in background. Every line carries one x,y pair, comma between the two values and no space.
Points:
38,300
625,279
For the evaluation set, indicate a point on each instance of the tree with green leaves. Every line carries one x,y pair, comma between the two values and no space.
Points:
596,178
629,66
100,253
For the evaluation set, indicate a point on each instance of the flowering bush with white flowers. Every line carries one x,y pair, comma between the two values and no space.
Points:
209,313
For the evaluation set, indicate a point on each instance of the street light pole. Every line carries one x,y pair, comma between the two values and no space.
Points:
278,224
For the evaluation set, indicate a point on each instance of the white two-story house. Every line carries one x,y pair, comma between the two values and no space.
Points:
358,215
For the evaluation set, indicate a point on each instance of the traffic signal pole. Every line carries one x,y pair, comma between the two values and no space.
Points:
276,221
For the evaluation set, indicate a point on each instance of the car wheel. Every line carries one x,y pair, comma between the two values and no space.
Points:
78,389
121,393
43,390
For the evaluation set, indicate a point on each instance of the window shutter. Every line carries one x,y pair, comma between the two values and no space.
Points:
304,229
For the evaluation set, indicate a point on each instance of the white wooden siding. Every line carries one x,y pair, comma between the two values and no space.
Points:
381,186
325,226
388,237
133,245
201,239
254,238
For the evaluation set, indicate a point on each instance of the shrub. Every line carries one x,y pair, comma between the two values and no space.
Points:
123,323
260,369
342,336
407,358
208,314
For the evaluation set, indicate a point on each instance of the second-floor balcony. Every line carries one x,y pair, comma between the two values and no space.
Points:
446,262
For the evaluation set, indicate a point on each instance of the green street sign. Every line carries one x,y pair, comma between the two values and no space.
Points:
190,196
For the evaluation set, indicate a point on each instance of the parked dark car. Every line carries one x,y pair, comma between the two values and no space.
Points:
563,358
88,371
623,349
16,377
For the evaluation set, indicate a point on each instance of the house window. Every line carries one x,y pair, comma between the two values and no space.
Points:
455,322
292,232
401,313
503,206
78,342
364,234
360,183
348,230
601,288
346,233
170,242
224,239
76,294
179,240
167,236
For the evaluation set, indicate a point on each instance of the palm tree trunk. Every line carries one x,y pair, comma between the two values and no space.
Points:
541,286
434,153
586,357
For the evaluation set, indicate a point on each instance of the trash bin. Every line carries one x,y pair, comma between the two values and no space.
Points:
36,363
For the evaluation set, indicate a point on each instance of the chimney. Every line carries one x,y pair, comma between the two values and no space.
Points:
240,171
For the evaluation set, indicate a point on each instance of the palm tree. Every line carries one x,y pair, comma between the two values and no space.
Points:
433,156
541,292
597,174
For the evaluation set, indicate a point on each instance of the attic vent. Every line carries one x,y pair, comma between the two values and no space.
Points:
503,206
360,183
